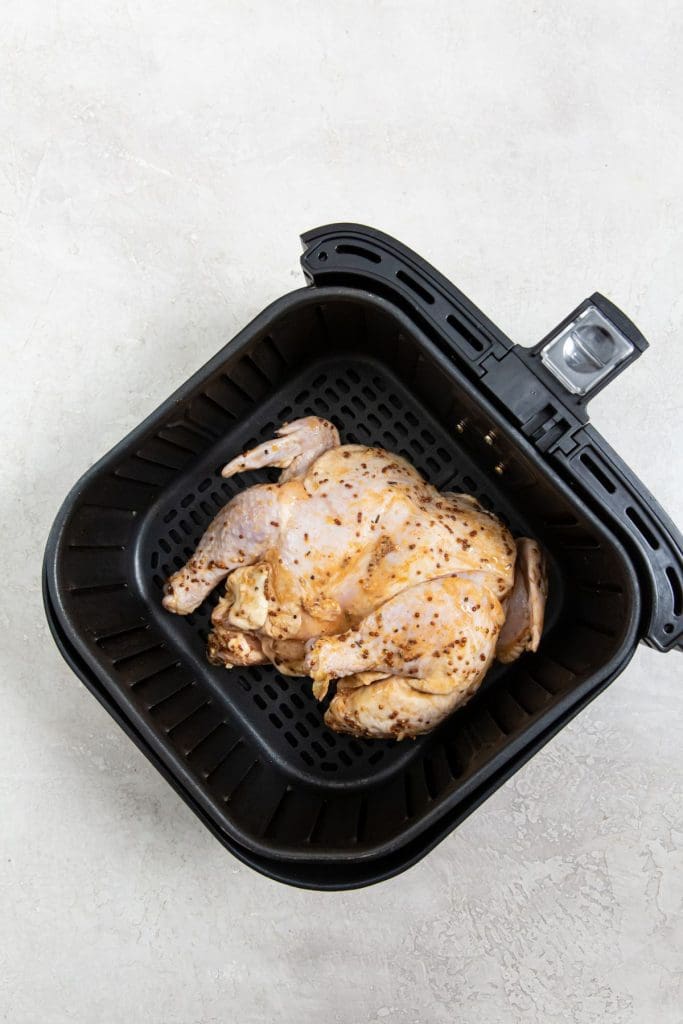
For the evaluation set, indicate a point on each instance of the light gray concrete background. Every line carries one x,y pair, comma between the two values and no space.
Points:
158,160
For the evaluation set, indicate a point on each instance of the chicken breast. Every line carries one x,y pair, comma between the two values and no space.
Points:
353,568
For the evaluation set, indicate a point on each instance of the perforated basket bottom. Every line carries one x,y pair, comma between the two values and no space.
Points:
369,406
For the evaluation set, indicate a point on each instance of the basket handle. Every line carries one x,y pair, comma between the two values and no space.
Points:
356,255
544,398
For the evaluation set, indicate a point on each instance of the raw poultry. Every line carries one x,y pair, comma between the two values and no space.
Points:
353,568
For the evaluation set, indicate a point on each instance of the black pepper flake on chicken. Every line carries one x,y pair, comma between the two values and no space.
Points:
394,677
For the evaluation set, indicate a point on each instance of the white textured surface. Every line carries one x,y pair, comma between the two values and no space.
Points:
158,160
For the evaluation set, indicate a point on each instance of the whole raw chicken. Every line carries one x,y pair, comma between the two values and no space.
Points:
351,567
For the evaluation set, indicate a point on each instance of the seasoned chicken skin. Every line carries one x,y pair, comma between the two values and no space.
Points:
353,568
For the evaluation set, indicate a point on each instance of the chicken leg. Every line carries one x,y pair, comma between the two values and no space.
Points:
433,643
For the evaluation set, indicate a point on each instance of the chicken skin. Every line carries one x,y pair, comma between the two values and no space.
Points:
353,568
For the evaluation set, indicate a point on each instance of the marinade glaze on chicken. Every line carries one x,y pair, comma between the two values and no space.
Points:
353,568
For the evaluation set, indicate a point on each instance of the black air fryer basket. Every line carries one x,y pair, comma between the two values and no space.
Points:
397,357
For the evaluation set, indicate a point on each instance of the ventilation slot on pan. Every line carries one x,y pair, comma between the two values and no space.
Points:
415,286
676,592
359,250
642,527
465,333
600,474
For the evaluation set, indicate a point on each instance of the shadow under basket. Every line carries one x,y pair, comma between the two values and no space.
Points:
396,357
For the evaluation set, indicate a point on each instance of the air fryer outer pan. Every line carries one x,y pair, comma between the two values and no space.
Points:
247,749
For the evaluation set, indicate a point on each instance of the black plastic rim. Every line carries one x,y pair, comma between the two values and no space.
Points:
331,869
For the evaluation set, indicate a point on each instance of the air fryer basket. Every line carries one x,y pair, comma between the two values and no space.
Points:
248,748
